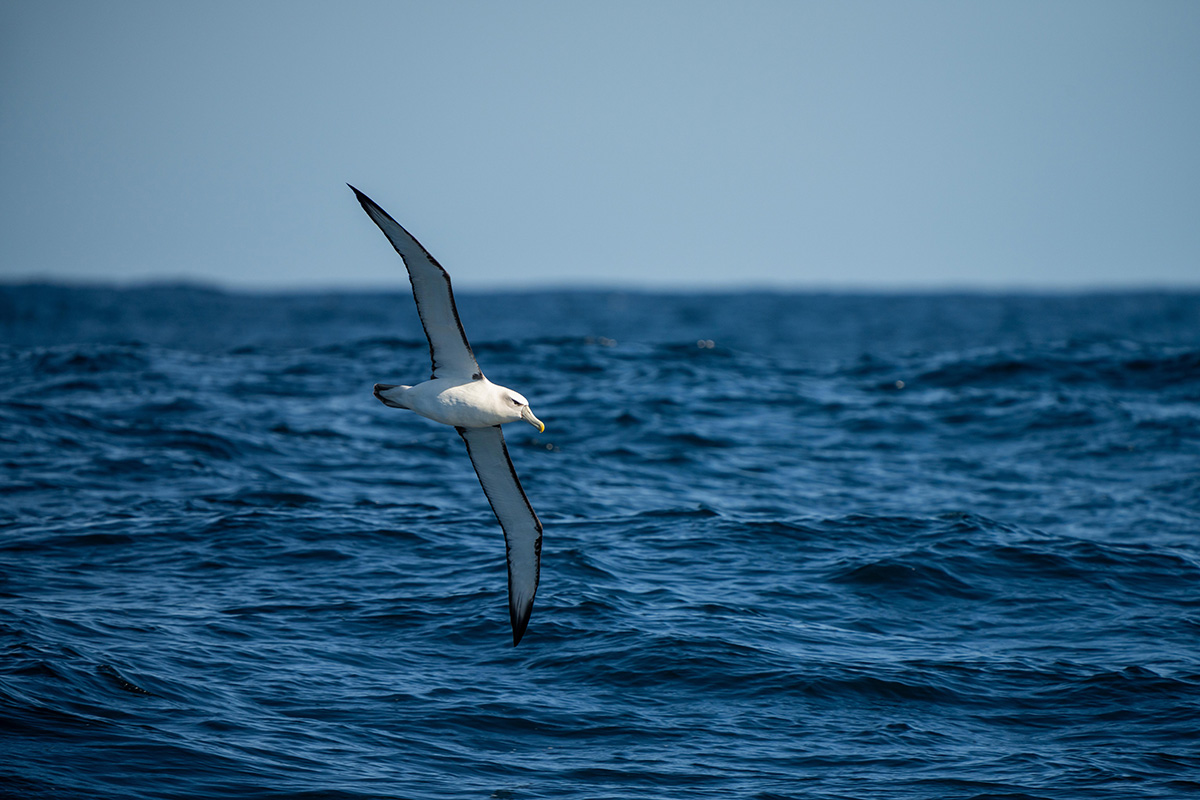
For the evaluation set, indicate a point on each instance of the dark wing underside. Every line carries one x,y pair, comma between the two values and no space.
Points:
522,529
448,346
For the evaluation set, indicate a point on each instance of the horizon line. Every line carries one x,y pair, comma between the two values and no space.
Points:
947,288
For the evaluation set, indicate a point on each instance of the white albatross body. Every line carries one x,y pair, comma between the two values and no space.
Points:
458,394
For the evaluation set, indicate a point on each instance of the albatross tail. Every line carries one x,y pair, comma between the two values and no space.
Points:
390,395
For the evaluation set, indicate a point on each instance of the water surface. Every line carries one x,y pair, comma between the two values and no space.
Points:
797,546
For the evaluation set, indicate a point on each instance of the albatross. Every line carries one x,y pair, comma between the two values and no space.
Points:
458,394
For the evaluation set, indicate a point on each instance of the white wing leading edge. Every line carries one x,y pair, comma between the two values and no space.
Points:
522,529
449,349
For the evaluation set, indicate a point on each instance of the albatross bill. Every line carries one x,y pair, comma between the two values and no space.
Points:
459,395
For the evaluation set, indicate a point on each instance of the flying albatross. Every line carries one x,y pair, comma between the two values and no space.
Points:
458,394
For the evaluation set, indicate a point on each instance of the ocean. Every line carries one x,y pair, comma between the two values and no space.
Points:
797,546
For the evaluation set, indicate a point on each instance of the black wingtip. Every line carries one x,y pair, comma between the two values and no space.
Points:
520,621
362,198
371,207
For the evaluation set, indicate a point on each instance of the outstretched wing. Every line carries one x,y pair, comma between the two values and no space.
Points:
448,346
522,529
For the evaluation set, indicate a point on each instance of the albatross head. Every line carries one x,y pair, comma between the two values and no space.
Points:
518,407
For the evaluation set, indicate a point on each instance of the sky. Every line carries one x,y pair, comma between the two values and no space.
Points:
652,144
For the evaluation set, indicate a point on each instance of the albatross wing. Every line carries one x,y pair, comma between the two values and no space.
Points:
448,346
522,529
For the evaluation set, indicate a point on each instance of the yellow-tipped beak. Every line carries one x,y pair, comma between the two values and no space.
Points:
528,416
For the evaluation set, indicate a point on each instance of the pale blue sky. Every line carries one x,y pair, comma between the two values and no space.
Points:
687,145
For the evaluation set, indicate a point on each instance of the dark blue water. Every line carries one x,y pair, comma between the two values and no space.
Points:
860,547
